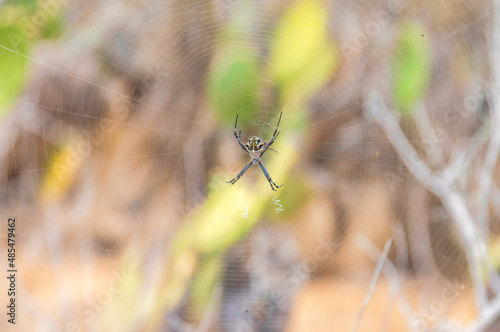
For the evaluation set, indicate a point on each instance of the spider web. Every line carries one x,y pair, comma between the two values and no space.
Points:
162,150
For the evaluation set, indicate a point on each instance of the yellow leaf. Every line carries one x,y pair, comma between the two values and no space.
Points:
301,31
315,74
60,174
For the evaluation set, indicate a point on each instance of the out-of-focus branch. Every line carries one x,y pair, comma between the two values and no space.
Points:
491,313
495,199
492,153
373,282
392,276
454,203
8,132
487,316
465,157
424,124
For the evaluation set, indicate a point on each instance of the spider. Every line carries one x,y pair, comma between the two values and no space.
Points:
256,147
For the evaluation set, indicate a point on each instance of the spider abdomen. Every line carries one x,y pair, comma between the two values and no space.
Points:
255,156
255,143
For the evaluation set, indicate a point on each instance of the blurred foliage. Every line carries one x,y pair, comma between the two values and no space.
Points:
235,71
302,60
301,30
22,24
294,197
313,76
22,2
411,67
62,167
53,28
233,84
205,281
494,253
13,47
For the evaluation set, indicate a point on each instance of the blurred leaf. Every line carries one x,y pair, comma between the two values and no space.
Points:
315,74
296,39
60,174
24,5
182,268
494,252
288,202
302,58
13,47
53,28
13,15
233,83
411,67
205,282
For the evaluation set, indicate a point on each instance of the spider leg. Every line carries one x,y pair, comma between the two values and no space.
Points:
241,173
238,137
268,177
279,120
275,151
268,145
275,134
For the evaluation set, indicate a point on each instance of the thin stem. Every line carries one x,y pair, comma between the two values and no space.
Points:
392,276
373,282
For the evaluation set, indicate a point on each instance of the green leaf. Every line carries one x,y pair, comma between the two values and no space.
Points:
13,47
233,84
21,2
411,67
314,75
204,283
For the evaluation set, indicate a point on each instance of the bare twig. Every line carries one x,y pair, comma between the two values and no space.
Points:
494,147
487,316
454,203
486,178
392,276
464,158
495,199
373,282
492,312
424,124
